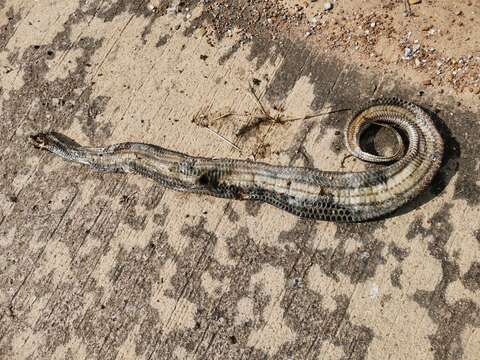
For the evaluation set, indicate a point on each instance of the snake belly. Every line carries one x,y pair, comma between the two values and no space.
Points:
305,192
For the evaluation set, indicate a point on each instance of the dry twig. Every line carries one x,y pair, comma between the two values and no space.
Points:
408,9
224,139
259,120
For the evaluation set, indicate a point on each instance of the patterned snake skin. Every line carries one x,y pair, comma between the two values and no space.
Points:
305,192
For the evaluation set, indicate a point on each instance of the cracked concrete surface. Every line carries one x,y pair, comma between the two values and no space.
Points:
113,266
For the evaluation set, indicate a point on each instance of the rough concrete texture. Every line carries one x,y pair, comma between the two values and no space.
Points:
114,266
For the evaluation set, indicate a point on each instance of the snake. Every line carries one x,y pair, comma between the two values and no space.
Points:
339,196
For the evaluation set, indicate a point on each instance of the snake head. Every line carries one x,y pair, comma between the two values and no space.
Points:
53,141
40,140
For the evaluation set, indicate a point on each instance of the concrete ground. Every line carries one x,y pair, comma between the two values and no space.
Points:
114,266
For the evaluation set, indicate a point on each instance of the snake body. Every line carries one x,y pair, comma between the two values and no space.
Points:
305,192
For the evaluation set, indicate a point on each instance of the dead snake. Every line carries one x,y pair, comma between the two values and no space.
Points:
305,192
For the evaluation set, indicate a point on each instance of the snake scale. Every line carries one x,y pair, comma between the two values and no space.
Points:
305,192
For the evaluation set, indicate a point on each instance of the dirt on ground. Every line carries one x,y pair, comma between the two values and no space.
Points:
434,43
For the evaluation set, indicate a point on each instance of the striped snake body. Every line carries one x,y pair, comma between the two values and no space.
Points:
305,192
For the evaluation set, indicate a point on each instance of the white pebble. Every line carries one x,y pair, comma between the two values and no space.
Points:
408,52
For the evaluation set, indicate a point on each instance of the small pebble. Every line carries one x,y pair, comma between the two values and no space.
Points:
327,6
408,52
151,7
